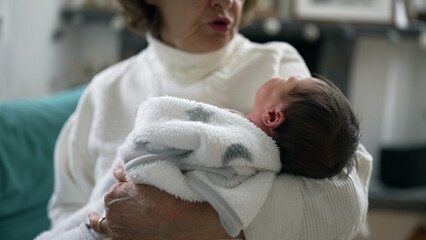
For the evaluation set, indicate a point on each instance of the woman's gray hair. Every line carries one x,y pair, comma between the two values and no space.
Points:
142,17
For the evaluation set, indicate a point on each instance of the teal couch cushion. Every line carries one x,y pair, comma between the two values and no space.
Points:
28,131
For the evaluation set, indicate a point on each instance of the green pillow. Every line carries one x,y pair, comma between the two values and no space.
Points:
28,131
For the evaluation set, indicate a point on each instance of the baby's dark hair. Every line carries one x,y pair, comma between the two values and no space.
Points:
320,134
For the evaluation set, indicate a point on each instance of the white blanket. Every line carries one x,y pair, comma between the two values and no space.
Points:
199,152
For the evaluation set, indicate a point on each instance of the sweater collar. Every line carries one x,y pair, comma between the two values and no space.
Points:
190,67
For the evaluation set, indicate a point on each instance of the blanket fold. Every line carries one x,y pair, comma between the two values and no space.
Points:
199,152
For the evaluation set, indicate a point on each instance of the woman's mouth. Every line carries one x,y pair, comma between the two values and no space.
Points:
220,24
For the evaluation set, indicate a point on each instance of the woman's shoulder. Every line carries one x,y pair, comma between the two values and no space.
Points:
283,57
110,75
273,47
113,72
104,81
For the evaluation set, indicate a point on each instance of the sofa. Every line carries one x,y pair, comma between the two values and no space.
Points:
28,131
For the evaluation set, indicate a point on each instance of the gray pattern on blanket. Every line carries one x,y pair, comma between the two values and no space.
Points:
199,114
234,151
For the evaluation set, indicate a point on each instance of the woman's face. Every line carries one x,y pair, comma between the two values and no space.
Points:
198,25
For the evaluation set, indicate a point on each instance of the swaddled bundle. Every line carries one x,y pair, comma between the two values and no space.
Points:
199,152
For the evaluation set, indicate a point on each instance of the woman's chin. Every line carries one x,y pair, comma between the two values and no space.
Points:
216,42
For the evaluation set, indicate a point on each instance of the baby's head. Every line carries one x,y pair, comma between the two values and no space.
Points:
311,121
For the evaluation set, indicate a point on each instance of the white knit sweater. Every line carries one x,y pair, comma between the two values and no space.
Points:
296,208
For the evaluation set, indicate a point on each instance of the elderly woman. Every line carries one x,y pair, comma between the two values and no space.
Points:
194,52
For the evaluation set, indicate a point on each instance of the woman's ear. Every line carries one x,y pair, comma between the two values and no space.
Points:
273,118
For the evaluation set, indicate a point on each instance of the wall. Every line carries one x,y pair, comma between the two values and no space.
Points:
417,116
404,122
40,55
387,89
86,50
26,50
4,74
388,86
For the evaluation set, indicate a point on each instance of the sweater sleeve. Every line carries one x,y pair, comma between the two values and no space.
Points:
73,165
299,208
76,156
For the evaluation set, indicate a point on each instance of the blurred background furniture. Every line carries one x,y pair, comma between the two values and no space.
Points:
29,129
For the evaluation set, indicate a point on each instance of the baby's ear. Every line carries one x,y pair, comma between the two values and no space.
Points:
273,118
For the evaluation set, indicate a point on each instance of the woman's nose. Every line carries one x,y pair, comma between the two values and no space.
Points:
222,4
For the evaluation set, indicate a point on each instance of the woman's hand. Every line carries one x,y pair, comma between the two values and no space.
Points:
137,211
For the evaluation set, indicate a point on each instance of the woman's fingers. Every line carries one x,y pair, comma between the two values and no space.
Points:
98,224
119,173
93,218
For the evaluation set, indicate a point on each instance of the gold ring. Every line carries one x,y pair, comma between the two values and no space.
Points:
99,224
